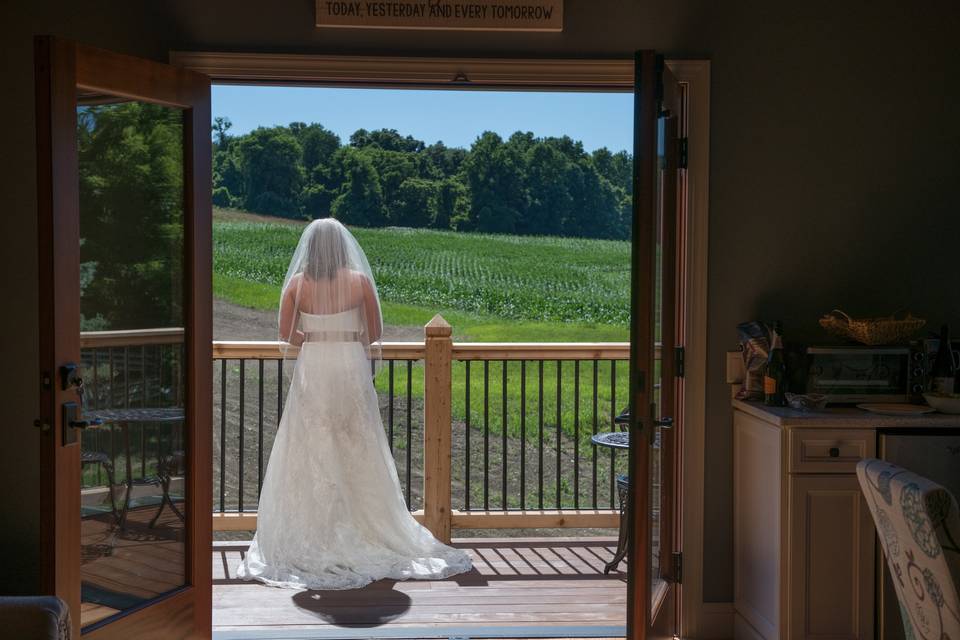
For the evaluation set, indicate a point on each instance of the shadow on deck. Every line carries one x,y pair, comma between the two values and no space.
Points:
519,587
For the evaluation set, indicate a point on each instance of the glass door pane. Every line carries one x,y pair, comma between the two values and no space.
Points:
663,435
133,472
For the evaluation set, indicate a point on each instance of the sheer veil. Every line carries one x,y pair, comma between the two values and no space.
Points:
329,274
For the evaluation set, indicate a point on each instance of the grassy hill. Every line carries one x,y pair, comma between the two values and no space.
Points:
489,287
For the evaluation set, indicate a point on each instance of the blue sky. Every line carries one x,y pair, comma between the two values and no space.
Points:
455,117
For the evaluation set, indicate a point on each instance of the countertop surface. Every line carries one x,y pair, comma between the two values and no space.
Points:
842,417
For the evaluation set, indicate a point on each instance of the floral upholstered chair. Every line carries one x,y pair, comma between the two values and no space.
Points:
919,528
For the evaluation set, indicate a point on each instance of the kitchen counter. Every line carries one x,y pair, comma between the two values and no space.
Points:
805,561
841,417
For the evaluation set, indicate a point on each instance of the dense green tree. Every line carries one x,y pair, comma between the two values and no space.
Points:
361,199
416,204
445,161
525,184
131,215
272,172
550,198
220,127
617,168
494,174
318,144
386,139
453,204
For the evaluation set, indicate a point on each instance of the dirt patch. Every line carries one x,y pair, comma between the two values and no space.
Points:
234,322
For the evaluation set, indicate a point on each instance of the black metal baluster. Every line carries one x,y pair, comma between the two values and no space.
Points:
576,434
96,384
178,379
223,434
243,384
486,435
503,430
390,405
409,425
110,405
126,377
613,427
259,428
523,434
96,405
143,403
559,428
540,436
279,391
110,373
466,471
595,425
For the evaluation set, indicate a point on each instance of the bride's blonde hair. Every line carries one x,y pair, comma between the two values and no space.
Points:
327,254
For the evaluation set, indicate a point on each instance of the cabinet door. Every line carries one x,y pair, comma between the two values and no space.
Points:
758,526
831,564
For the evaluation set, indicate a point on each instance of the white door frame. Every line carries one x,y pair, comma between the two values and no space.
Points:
699,619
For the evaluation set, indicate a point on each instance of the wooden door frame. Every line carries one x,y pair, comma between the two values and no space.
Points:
63,67
699,619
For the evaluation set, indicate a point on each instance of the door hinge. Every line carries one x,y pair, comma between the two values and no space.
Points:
679,361
676,571
683,152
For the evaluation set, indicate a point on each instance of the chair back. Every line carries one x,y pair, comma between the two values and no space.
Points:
918,524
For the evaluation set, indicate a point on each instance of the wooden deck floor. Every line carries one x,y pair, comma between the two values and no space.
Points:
119,569
519,587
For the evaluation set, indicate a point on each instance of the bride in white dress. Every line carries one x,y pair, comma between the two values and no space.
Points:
331,513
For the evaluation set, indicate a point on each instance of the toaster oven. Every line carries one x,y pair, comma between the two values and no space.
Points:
854,374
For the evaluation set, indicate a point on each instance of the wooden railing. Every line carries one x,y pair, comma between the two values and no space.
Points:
467,457
131,369
453,440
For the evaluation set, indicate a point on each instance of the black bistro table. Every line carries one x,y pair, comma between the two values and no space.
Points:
618,440
126,417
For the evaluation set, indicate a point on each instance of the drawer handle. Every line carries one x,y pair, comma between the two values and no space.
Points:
834,452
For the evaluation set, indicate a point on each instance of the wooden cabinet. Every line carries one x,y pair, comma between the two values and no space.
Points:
804,544
830,564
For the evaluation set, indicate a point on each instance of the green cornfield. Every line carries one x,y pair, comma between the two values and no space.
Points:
553,280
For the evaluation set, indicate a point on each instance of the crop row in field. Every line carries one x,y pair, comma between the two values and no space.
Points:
510,277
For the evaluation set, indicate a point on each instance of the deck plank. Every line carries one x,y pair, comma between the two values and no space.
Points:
522,582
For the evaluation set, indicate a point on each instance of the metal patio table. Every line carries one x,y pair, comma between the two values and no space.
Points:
126,417
618,440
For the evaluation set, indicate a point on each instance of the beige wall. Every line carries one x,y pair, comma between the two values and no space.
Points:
833,156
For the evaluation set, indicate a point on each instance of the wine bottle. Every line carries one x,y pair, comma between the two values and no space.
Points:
775,375
944,371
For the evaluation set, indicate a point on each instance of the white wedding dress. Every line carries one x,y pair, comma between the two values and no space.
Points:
331,513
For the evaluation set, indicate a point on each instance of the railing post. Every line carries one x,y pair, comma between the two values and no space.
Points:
437,438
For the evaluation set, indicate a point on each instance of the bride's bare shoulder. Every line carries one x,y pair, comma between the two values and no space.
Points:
358,278
293,285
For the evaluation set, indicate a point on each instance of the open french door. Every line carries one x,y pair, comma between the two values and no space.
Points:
124,225
654,560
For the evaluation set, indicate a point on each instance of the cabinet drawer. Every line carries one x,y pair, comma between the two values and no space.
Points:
830,450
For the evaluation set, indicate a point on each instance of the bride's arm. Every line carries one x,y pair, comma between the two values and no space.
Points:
288,331
371,310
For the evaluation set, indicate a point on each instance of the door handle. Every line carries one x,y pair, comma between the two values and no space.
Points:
664,422
72,421
83,424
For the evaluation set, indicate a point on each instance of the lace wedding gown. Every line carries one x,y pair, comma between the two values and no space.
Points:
331,512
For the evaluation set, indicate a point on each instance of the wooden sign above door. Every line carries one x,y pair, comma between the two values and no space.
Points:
476,15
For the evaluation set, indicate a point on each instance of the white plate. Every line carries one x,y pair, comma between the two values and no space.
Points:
895,409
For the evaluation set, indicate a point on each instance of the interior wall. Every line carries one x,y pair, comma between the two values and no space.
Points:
833,171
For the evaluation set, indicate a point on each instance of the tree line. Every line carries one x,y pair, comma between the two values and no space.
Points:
523,185
130,162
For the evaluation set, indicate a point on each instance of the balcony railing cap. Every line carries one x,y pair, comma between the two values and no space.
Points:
438,328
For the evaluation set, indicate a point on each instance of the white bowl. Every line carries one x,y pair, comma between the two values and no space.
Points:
944,402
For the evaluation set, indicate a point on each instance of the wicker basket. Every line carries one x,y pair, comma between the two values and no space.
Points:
871,331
